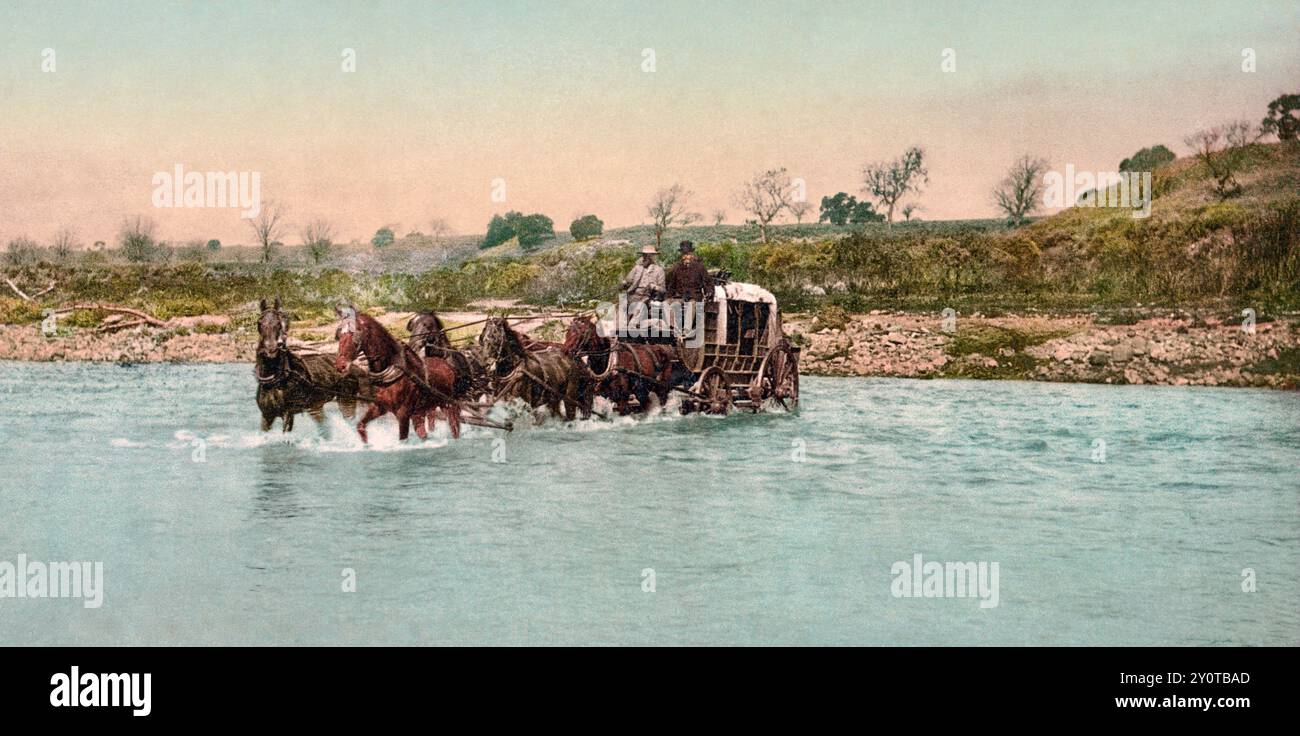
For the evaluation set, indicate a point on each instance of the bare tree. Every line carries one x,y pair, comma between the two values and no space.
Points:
800,209
765,196
269,226
318,237
1211,148
718,216
136,237
908,209
668,208
890,181
65,241
1240,133
1021,191
439,230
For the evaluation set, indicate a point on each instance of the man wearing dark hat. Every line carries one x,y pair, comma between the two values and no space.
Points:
689,279
689,285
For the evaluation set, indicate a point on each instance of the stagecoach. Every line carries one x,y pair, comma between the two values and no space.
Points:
743,358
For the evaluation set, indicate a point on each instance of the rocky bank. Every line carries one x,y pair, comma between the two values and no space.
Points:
1172,350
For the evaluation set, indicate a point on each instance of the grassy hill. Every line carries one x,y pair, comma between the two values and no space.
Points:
1195,251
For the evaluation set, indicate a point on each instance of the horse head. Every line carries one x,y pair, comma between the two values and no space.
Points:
272,330
348,337
581,337
426,329
501,344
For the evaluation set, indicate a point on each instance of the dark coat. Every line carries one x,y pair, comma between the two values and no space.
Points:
689,279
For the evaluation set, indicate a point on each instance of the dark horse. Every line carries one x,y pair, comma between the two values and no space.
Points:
540,377
621,369
411,387
428,337
288,383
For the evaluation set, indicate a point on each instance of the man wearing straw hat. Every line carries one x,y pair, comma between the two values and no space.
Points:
644,282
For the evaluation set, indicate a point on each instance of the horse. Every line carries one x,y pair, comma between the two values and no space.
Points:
539,376
288,383
411,387
645,368
428,337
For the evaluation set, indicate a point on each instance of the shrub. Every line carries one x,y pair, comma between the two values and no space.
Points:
586,227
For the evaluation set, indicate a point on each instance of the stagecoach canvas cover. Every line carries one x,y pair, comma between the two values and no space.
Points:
331,331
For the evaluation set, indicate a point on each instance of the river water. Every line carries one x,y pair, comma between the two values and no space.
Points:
1116,515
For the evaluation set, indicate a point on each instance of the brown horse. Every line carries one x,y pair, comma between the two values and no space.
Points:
411,387
428,337
540,377
288,383
622,370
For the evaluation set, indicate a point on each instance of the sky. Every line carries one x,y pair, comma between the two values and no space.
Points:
448,100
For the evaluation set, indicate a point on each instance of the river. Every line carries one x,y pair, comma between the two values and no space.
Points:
1126,515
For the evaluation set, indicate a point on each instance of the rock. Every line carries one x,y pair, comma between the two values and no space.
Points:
1100,356
896,337
1121,353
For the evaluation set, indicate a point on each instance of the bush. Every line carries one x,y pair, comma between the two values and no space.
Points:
586,227
383,237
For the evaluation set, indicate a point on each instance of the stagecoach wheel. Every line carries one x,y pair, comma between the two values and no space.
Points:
713,386
778,378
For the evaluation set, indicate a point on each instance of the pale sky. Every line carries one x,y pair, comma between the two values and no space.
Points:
552,98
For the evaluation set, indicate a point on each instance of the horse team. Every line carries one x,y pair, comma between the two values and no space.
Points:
427,378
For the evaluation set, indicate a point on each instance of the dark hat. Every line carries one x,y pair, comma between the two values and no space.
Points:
686,246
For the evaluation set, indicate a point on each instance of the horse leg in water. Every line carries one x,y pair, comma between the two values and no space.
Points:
267,421
348,406
286,422
317,412
417,420
373,412
403,423
453,419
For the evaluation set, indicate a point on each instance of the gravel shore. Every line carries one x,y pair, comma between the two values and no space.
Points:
1160,350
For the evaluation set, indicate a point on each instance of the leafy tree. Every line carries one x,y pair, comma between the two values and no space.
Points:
214,245
587,226
499,230
1148,159
863,213
1283,119
890,181
383,236
530,229
533,229
837,209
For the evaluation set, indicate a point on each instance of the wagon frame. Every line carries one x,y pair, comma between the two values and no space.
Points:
745,360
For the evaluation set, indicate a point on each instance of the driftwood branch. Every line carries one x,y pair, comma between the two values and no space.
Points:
124,324
24,295
143,317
